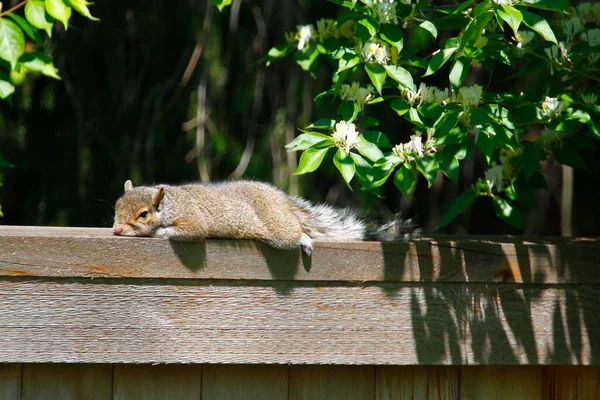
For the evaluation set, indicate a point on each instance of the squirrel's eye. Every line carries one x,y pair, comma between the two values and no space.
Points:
143,214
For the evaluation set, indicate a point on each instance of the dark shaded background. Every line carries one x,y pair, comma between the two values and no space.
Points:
172,92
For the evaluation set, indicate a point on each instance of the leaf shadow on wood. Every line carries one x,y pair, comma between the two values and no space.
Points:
191,254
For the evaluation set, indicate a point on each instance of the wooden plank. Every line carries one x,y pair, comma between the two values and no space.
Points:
10,381
244,382
327,382
65,382
149,382
571,383
299,323
95,253
417,382
501,383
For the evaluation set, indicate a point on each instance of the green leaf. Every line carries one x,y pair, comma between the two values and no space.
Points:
476,26
429,27
446,122
35,12
552,5
457,207
306,58
540,25
511,16
308,140
448,163
428,166
400,75
439,59
345,165
569,157
310,160
377,74
459,72
485,144
277,52
393,35
6,87
348,110
322,123
81,7
59,10
369,150
221,4
29,30
371,26
400,106
405,179
347,61
413,116
12,41
378,138
368,122
506,210
39,62
594,129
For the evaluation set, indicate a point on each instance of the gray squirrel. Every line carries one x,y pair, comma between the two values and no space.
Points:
242,210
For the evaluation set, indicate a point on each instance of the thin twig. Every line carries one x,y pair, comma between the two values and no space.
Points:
21,4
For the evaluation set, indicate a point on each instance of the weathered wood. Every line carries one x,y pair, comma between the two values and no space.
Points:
157,382
571,383
95,253
244,382
417,382
10,381
331,382
67,382
501,383
298,323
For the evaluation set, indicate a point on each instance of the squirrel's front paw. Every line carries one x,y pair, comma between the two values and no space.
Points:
165,233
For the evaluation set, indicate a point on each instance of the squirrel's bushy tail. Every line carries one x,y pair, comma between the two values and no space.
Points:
322,221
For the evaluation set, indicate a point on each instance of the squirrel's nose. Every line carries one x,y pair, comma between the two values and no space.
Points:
117,229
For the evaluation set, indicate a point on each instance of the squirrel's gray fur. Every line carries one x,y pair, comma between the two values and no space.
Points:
242,210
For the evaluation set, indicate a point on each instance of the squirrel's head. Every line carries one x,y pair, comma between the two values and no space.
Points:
137,212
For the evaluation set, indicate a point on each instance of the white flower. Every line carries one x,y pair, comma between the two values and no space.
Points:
345,135
345,93
524,37
552,107
306,33
590,99
494,178
431,94
374,51
412,97
386,11
572,26
441,96
470,96
592,37
507,2
415,145
549,138
356,93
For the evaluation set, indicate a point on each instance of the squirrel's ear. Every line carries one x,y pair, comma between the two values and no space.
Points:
128,185
157,198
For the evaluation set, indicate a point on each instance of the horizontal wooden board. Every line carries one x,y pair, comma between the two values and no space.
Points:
299,323
96,253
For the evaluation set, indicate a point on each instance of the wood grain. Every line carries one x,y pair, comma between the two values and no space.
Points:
299,323
96,253
571,383
67,382
501,383
244,382
310,382
10,381
157,382
417,382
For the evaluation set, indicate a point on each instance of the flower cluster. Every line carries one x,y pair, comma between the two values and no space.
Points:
345,135
470,96
407,151
524,38
305,34
494,178
589,99
552,107
356,93
431,94
374,51
384,10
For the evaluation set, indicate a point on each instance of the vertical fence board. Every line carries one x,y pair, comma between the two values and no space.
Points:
316,382
417,382
250,382
501,383
571,383
151,382
67,381
10,381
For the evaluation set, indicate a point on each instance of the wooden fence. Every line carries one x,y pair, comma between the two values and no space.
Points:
431,318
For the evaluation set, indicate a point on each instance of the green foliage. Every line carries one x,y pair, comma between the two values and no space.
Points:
535,40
